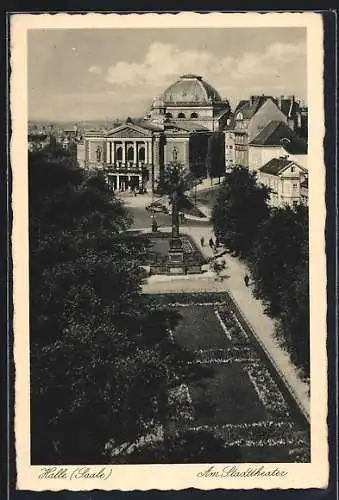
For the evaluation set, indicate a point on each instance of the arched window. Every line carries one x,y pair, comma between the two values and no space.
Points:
142,154
240,116
118,154
169,115
181,115
130,153
194,115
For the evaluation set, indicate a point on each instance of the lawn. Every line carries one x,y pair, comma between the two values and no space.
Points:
207,197
227,397
200,329
229,390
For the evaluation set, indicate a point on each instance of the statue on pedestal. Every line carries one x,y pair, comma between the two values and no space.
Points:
98,153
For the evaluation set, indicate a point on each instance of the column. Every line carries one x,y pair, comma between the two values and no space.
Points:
150,152
123,152
108,150
113,152
135,156
146,152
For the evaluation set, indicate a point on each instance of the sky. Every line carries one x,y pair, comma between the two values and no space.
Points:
103,74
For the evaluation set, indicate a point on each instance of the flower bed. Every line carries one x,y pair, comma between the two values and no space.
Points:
263,433
158,251
191,298
223,356
180,401
267,390
232,324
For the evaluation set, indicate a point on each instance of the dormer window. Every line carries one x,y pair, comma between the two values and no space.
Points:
240,116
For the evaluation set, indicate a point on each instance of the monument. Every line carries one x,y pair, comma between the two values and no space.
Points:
176,252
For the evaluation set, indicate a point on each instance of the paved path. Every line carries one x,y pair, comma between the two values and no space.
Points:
252,309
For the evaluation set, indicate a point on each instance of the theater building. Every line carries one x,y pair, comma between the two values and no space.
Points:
136,152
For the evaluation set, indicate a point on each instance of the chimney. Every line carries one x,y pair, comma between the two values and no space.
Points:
252,99
291,98
280,100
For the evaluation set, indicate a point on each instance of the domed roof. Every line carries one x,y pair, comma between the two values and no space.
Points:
190,89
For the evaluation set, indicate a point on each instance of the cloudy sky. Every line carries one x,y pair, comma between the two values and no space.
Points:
114,73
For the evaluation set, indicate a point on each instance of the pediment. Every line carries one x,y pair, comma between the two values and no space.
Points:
128,131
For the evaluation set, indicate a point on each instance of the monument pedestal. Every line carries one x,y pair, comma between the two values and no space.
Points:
176,257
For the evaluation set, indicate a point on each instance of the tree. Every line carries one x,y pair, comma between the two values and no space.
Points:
294,322
215,159
280,268
240,208
101,362
280,248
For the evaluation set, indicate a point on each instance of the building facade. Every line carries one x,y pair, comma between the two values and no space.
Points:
296,114
136,153
276,140
285,179
249,118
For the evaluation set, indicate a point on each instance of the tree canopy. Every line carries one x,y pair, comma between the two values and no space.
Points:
279,265
102,358
215,159
240,207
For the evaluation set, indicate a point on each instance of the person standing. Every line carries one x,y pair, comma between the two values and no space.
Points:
202,241
246,280
211,243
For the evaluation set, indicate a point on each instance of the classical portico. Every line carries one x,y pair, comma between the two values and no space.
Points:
125,153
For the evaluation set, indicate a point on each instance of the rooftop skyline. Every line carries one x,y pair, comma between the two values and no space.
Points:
102,74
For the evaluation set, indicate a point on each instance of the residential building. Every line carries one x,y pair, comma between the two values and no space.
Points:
284,178
296,113
304,191
274,140
37,142
248,119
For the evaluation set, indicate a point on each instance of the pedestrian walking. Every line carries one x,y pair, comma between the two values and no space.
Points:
246,280
211,243
154,226
202,241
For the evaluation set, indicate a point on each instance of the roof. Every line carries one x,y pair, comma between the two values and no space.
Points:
37,137
249,107
288,106
189,126
277,133
190,89
147,124
277,165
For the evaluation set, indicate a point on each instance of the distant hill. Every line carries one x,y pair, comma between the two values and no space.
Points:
67,125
